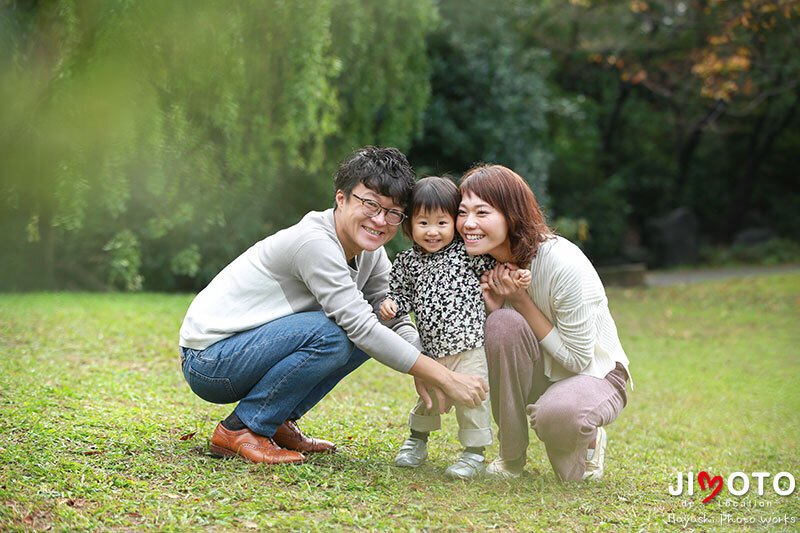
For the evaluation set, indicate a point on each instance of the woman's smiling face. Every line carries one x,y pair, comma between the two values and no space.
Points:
483,228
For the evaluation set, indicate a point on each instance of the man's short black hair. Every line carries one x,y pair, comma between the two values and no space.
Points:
384,170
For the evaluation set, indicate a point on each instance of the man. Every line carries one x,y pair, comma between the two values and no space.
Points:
282,324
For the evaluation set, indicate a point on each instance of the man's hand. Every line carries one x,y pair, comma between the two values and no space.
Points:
438,399
388,309
466,389
448,387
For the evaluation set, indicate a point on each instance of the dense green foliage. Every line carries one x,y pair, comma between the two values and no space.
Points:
95,410
649,106
146,144
490,95
152,142
666,104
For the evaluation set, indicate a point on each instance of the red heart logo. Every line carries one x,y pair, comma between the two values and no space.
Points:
706,481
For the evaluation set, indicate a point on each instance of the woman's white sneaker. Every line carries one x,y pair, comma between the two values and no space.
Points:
596,457
501,469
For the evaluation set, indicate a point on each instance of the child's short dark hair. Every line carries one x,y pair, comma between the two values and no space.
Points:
430,194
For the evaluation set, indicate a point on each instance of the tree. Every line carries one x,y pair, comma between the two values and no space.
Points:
489,98
685,95
147,144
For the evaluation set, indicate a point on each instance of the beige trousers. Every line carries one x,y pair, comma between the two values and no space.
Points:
474,423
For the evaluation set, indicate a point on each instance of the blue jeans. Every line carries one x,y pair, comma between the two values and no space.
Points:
277,371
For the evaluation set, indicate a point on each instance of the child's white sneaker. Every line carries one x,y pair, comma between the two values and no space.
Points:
500,468
413,453
596,457
469,466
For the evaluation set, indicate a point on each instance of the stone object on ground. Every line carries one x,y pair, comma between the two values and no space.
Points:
753,237
676,237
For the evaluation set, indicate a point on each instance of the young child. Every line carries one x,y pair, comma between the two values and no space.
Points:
439,283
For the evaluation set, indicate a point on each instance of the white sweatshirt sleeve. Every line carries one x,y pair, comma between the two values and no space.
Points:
319,265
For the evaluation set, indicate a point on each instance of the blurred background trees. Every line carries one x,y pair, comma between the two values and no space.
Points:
146,144
490,94
673,104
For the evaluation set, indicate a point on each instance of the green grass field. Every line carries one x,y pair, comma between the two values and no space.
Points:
95,412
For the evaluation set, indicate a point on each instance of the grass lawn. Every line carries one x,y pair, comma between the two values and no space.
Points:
95,419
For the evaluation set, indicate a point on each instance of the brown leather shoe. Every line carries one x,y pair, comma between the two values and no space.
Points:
290,437
250,446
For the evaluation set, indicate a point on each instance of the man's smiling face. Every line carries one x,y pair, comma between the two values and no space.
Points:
358,232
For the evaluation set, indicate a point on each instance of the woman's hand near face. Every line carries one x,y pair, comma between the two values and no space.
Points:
504,282
491,298
513,283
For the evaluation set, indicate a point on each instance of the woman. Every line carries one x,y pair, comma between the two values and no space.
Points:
553,349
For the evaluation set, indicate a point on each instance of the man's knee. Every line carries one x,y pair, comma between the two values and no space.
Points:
332,341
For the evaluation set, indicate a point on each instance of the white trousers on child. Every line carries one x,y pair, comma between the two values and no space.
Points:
474,423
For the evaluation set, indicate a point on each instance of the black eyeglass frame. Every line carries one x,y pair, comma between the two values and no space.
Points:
366,204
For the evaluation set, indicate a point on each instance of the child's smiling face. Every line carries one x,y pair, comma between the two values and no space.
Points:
432,230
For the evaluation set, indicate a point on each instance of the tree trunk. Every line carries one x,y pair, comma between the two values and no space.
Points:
46,251
611,125
757,153
690,147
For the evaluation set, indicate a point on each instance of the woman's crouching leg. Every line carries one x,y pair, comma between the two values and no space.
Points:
512,353
566,418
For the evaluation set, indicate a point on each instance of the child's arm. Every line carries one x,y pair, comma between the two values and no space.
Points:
388,309
400,289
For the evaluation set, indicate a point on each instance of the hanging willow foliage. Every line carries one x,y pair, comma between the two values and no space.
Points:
145,144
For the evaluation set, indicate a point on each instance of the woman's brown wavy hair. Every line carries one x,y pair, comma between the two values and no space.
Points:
506,191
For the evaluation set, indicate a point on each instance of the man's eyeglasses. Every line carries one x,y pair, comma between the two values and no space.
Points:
371,208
